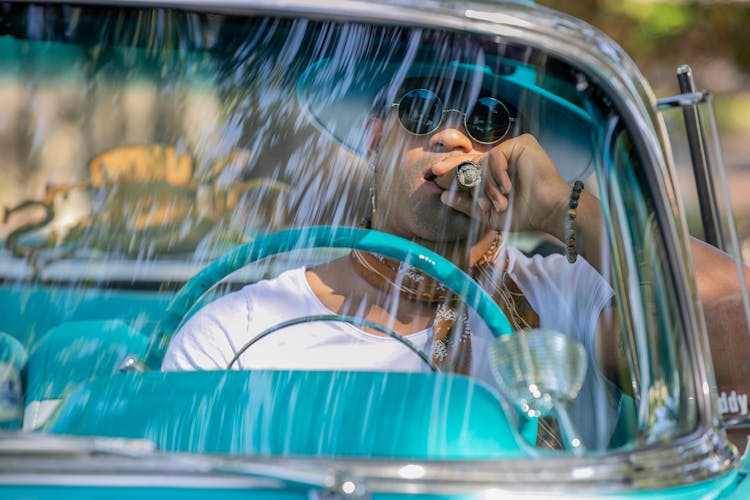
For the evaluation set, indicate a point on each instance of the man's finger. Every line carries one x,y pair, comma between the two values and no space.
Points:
498,167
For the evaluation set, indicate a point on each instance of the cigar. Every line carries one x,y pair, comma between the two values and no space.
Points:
468,175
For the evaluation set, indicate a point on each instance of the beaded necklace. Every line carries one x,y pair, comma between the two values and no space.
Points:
451,339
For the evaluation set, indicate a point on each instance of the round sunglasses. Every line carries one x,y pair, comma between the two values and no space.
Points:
420,111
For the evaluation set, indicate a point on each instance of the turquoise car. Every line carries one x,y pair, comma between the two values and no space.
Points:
159,158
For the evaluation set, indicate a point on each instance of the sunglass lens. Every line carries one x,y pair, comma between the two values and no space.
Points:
489,120
420,111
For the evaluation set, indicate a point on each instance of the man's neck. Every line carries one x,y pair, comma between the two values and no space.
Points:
463,253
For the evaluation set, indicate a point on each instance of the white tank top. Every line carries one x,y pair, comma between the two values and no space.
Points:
567,297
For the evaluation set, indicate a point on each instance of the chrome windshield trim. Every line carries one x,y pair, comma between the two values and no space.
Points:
646,469
701,455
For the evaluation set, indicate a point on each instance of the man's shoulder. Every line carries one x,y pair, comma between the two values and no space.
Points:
288,284
551,264
284,287
553,274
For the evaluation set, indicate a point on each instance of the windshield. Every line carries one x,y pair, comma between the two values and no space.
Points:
449,251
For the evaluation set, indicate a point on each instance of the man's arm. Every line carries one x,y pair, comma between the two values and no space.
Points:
719,286
720,291
521,172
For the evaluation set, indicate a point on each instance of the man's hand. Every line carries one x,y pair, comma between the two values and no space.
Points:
520,181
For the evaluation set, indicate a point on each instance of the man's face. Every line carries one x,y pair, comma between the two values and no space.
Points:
412,173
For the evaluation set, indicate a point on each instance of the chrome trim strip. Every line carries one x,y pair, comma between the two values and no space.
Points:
135,481
642,470
681,100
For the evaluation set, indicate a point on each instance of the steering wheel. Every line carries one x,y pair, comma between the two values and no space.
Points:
369,240
352,320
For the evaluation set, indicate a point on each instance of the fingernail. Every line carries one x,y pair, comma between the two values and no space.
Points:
496,204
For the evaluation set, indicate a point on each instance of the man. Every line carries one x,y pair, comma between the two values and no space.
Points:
431,128
416,196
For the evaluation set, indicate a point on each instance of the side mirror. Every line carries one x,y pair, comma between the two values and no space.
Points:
542,371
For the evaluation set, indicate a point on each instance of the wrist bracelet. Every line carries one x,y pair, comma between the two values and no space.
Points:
571,253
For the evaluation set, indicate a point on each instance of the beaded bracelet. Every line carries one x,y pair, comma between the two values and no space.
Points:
571,251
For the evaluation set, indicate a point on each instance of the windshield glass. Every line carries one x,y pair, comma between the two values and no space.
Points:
448,250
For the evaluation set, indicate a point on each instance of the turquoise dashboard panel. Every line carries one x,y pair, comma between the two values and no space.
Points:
293,413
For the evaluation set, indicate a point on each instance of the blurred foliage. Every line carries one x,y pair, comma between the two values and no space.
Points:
712,36
651,31
734,111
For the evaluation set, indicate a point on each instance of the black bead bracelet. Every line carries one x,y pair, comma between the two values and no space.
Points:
571,253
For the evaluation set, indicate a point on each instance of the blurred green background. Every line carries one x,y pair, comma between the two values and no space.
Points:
713,37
